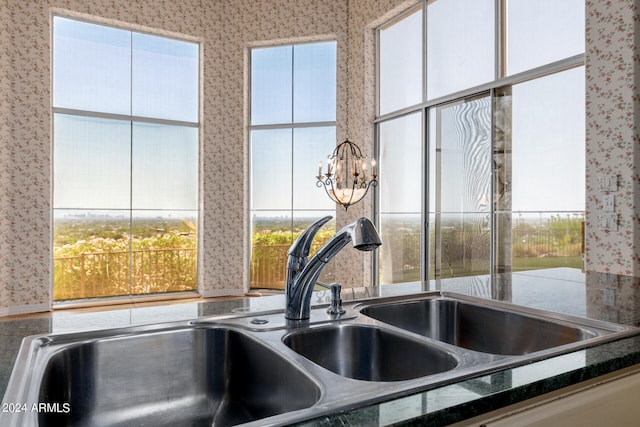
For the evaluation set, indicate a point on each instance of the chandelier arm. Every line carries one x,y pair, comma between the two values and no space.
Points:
328,182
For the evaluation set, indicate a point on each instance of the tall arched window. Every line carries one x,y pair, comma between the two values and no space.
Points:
293,113
125,147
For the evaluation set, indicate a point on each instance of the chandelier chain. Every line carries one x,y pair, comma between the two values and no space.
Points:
347,82
347,178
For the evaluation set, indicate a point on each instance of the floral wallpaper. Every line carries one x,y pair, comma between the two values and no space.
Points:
612,139
225,29
24,158
613,298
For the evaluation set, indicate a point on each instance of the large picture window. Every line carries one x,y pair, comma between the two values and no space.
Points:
125,120
293,113
499,134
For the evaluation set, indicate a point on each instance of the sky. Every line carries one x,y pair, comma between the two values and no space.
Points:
102,163
104,160
547,114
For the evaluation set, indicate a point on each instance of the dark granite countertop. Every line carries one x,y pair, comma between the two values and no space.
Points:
569,291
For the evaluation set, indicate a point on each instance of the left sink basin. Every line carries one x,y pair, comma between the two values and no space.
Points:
190,376
369,353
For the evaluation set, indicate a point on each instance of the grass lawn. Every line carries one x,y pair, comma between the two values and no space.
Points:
481,268
520,264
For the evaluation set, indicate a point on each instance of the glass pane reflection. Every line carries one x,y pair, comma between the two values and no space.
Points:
460,45
271,85
549,161
271,169
460,245
401,199
460,141
543,31
401,160
314,90
164,78
400,254
310,146
164,172
92,163
92,67
401,53
546,240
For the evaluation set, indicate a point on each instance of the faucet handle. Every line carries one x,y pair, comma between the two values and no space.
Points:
301,247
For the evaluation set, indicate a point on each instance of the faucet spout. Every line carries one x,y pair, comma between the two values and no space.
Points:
299,250
300,283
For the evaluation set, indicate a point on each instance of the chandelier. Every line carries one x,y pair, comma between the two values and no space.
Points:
346,180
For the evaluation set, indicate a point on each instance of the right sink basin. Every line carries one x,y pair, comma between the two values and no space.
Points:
478,327
369,353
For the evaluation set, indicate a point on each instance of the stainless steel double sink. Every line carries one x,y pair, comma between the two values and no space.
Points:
260,369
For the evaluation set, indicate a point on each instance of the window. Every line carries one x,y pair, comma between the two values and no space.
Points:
542,32
401,206
401,71
498,135
543,196
400,145
125,202
460,142
293,112
460,45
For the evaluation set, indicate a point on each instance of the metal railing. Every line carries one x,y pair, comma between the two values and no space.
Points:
101,274
464,252
269,265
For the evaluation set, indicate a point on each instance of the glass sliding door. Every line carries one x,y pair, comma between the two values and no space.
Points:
497,90
547,161
460,188
401,199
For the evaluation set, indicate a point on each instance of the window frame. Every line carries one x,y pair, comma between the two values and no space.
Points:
291,126
132,120
500,81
